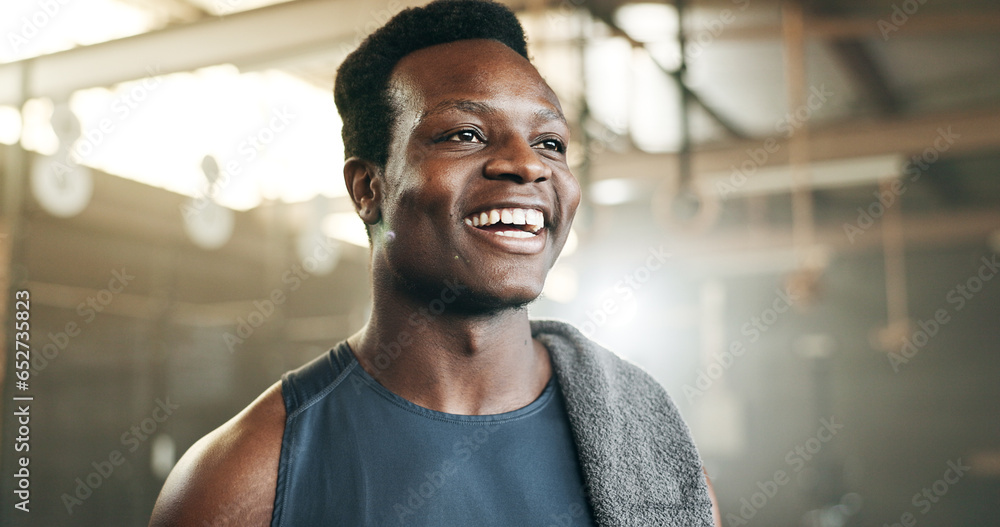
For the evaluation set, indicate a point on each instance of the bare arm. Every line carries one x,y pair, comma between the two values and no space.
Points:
228,477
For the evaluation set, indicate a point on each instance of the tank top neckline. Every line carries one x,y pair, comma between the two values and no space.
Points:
532,408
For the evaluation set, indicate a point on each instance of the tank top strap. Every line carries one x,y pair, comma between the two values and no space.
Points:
302,386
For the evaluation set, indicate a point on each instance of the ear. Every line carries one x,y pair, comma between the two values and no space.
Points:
364,184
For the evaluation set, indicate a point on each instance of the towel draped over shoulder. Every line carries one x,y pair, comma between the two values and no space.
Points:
639,463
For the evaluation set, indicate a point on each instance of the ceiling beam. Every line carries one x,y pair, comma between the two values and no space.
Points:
171,11
690,95
973,131
283,34
856,57
867,74
737,251
847,27
275,35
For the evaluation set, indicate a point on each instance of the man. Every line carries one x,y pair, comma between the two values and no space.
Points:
450,407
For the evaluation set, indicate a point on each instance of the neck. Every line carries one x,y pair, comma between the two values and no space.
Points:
452,362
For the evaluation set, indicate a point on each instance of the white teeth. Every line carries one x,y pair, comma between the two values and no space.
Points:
533,219
515,234
517,216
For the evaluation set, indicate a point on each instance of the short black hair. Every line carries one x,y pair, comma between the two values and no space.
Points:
361,90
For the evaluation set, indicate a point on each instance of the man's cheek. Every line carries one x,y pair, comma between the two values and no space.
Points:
571,195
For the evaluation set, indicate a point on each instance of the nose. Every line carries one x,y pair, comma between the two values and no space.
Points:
517,161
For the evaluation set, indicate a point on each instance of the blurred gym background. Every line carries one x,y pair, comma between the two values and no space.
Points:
791,219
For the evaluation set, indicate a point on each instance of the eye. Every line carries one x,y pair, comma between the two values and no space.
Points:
465,136
552,144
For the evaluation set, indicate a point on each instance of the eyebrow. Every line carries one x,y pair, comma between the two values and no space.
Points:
480,108
546,114
464,105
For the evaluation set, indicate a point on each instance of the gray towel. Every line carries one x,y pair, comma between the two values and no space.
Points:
638,460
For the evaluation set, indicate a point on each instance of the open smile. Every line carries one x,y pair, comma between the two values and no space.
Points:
510,222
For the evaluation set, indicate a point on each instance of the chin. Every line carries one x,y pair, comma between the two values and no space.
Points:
497,300
482,295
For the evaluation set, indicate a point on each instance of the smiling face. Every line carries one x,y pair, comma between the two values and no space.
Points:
476,187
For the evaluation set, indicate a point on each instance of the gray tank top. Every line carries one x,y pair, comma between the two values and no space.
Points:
353,453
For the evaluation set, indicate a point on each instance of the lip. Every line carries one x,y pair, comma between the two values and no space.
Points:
524,246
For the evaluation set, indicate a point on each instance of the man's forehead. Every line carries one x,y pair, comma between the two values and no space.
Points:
464,75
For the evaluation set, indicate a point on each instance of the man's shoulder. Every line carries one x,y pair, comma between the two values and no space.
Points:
228,477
